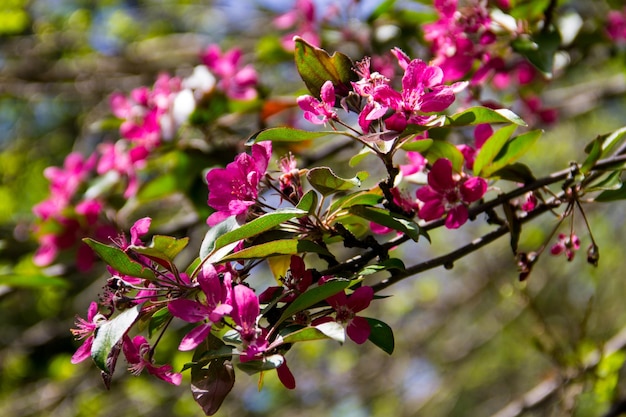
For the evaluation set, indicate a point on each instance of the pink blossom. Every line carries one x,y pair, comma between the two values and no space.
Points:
567,244
245,314
125,160
139,356
346,307
143,110
301,19
234,189
422,93
214,306
616,25
319,111
236,81
85,329
448,194
459,38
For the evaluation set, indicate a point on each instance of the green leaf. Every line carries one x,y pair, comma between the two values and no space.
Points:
610,181
513,150
316,67
516,172
540,50
304,335
222,228
492,147
308,202
285,134
158,319
595,151
277,247
386,218
109,333
607,143
162,249
259,225
314,296
119,260
366,198
324,180
268,363
420,146
443,149
34,281
359,157
612,195
391,263
480,115
381,335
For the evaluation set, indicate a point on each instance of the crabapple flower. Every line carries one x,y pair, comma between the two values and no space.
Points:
245,314
319,111
346,307
234,189
215,306
237,82
85,329
567,244
145,112
301,18
448,194
616,25
422,92
139,356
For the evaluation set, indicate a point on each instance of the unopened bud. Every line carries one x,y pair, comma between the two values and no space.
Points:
593,254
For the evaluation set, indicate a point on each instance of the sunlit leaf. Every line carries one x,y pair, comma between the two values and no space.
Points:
492,147
324,180
33,281
442,149
481,115
308,202
277,247
367,198
285,134
421,145
512,151
333,330
109,334
119,260
316,66
259,225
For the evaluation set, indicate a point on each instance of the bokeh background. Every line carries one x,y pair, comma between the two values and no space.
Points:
470,341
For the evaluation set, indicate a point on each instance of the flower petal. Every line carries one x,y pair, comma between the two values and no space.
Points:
359,330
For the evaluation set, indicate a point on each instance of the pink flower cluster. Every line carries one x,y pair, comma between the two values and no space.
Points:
214,297
616,25
66,216
149,116
459,38
423,93
234,189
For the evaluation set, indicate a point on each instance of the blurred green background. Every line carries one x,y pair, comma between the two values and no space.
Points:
469,341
